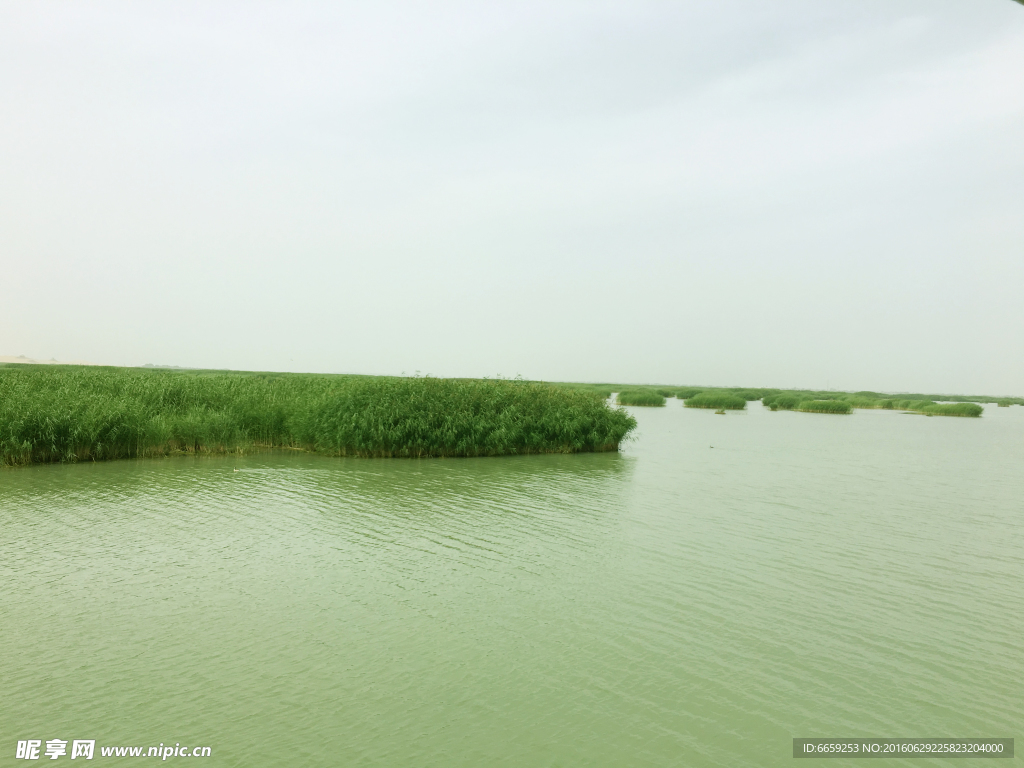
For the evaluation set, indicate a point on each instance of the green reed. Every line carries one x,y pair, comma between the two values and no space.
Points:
600,391
825,406
971,410
748,394
688,392
646,397
716,400
75,413
783,400
929,407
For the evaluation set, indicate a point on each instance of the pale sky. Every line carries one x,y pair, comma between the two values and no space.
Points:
749,193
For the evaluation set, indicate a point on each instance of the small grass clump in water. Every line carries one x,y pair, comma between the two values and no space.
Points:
825,406
70,414
717,401
666,393
640,397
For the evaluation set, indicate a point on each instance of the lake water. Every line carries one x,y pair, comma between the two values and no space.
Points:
676,604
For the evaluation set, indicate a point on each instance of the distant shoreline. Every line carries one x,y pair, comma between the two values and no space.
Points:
22,360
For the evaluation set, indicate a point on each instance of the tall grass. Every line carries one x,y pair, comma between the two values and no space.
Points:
748,394
640,397
687,392
716,400
863,401
952,409
930,407
910,405
917,405
781,400
71,414
799,399
825,406
600,391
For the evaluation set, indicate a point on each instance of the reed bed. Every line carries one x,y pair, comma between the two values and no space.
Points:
781,401
970,410
645,397
790,399
861,401
793,399
716,400
52,413
748,394
600,391
687,392
825,406
777,399
930,407
907,404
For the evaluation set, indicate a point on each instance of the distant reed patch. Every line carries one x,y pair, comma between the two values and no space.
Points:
688,392
647,397
971,410
716,400
825,406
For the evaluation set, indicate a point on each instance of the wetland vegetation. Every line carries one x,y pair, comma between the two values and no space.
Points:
825,406
845,402
648,397
687,392
72,413
716,400
950,409
805,400
64,413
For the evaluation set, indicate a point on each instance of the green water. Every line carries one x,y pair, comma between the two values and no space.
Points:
673,605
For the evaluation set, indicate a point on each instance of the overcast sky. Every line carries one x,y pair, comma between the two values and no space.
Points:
745,193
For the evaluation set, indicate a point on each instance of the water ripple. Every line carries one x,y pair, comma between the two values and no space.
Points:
673,605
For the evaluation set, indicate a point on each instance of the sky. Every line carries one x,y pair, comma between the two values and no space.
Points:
784,194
